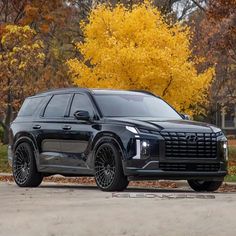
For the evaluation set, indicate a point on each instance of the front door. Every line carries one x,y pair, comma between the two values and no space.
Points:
75,143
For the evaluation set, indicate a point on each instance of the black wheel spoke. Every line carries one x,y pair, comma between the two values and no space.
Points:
105,166
21,168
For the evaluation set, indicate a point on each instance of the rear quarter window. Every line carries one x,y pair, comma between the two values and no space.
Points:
29,106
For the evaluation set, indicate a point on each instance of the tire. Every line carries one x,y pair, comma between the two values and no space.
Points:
204,186
24,167
108,171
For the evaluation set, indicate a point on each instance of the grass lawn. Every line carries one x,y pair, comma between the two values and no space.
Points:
4,167
230,178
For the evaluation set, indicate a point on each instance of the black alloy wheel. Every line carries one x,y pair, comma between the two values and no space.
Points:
204,186
24,168
109,174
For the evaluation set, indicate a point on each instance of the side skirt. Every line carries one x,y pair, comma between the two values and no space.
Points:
68,170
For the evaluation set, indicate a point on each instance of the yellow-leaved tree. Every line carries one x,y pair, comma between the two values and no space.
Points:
21,56
136,49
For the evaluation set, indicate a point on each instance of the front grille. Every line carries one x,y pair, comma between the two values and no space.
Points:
203,167
190,145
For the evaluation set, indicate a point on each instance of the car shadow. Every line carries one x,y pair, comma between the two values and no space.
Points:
129,189
159,190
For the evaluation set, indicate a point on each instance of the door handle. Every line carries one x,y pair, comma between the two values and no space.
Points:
37,127
66,127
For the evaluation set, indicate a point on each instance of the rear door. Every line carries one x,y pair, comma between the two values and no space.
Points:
48,130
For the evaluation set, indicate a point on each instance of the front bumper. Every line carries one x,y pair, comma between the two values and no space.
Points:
163,164
154,170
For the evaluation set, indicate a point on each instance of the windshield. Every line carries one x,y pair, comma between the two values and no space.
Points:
134,105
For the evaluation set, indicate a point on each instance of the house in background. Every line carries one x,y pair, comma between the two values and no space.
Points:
227,119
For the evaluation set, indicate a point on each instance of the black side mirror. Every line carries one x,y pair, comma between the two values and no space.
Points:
185,117
82,115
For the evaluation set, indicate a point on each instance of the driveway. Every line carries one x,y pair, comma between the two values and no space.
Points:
56,209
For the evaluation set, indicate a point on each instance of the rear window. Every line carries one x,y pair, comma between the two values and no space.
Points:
29,106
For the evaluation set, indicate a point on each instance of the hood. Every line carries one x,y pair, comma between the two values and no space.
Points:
165,125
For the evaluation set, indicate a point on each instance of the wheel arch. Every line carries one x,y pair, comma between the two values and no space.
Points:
108,137
28,139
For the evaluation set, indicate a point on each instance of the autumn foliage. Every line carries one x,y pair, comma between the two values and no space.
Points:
20,62
140,44
137,49
215,39
32,52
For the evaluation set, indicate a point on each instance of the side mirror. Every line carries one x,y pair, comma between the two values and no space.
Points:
82,115
185,117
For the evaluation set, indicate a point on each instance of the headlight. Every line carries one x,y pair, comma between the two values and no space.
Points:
145,149
131,129
224,148
220,133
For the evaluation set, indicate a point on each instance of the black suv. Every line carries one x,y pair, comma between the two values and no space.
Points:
115,136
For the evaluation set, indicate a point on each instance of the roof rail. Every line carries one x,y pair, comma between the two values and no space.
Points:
70,89
144,91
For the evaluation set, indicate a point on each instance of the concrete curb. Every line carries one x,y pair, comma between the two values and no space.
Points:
5,174
179,183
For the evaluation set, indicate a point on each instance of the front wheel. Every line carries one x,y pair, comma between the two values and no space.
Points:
108,169
207,186
24,167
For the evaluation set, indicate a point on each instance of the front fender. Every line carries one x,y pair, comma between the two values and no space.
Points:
108,137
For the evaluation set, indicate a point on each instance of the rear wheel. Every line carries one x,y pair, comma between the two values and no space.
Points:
24,167
201,185
109,174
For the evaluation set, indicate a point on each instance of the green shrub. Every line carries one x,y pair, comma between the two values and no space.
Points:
4,167
232,153
1,134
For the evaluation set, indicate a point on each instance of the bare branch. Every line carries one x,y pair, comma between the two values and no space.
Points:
166,88
198,5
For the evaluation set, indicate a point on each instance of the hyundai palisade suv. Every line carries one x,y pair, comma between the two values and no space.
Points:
115,136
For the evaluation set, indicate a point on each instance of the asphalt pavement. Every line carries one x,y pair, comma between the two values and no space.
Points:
67,209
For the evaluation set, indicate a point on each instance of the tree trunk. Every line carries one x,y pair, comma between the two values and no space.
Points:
6,124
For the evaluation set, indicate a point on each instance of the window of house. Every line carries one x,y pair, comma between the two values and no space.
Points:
230,118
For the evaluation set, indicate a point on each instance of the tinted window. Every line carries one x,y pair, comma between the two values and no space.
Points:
81,103
57,106
134,105
29,106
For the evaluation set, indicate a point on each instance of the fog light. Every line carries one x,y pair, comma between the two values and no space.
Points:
145,149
